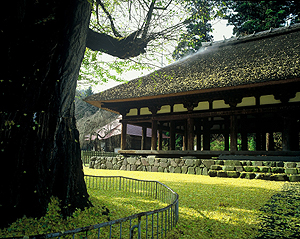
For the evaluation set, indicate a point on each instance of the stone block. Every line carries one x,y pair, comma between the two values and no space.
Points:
123,167
145,162
163,164
298,165
140,168
198,170
265,169
116,167
232,163
289,164
171,169
216,167
212,173
177,170
294,178
250,175
277,170
184,169
128,167
205,171
233,174
109,165
125,161
149,168
151,161
189,162
166,170
131,160
208,162
257,163
269,163
133,167
222,174
279,164
156,163
251,169
109,159
291,171
177,160
173,163
94,158
154,169
279,177
239,168
197,162
138,162
191,170
103,166
160,169
229,168
219,162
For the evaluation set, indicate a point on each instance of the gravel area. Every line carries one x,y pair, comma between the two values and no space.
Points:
281,215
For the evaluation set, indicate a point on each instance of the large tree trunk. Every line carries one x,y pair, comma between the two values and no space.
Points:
43,43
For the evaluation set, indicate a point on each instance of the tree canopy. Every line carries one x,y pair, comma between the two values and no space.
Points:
248,17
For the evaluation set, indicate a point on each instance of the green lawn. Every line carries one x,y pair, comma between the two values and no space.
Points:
209,207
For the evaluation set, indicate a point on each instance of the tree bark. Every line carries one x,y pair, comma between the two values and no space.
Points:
43,44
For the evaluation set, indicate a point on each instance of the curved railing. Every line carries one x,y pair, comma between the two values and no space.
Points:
150,224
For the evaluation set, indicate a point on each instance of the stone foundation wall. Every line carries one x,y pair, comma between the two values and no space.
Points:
268,170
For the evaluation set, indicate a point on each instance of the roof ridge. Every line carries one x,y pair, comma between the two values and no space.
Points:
254,36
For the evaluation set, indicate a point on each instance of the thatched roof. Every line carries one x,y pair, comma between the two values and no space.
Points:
262,57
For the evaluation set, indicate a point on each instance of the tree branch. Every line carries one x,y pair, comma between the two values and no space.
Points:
116,33
123,48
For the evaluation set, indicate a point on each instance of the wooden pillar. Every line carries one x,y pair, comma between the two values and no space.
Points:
154,135
290,134
270,141
244,141
258,141
198,133
244,134
226,138
172,135
144,137
123,135
160,139
190,133
233,133
206,134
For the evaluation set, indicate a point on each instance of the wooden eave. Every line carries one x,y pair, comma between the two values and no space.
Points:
263,88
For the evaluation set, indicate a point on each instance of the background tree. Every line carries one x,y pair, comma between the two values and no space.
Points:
198,30
254,16
43,43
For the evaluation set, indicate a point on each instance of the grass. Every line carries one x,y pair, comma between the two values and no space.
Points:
209,207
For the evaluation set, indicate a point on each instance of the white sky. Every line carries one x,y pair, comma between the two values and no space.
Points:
220,30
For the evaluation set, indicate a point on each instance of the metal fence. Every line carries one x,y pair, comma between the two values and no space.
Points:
86,155
151,224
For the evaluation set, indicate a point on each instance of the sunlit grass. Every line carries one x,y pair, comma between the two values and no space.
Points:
208,207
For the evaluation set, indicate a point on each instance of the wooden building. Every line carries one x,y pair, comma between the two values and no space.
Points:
240,86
